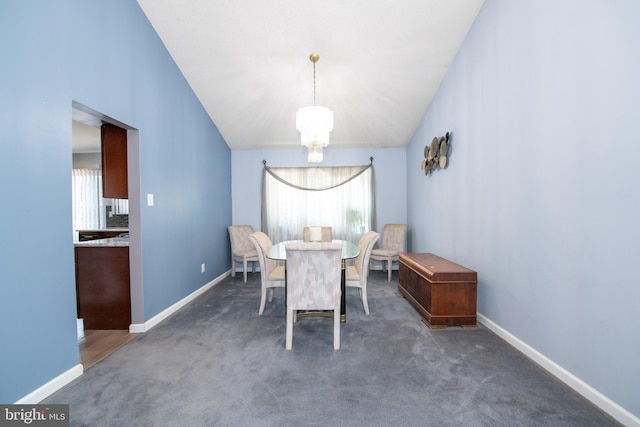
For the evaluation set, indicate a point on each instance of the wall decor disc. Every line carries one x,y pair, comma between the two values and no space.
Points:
434,148
444,147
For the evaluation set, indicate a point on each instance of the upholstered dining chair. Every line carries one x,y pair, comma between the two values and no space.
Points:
313,283
392,244
325,232
242,249
358,273
271,274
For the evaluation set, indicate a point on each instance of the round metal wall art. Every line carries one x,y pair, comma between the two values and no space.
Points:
436,154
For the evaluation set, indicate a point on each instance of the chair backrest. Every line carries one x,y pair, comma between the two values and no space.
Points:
313,276
325,231
263,245
394,237
239,236
365,245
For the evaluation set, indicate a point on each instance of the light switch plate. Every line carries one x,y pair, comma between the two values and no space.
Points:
149,199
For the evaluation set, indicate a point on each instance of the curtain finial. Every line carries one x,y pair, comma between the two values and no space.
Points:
264,162
371,159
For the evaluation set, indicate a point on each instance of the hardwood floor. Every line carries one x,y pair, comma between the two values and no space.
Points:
95,345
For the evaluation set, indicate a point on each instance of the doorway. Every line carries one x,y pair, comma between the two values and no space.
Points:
97,343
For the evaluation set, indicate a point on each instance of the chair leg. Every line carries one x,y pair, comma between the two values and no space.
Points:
263,300
389,269
233,268
244,269
289,333
365,302
336,329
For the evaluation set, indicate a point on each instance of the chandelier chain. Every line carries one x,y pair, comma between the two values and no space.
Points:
314,83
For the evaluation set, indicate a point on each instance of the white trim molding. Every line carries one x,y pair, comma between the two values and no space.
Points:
65,378
597,398
139,328
42,392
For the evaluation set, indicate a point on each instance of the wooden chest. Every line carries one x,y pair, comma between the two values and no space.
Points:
443,292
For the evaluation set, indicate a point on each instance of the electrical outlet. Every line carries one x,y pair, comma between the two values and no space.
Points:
202,268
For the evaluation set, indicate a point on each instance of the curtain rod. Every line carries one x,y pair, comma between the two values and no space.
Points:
264,162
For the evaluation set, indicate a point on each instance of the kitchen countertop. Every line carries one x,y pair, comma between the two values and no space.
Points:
111,242
102,230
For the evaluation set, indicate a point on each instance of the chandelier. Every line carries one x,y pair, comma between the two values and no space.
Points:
315,123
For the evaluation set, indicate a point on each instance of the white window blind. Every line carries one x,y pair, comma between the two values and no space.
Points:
88,204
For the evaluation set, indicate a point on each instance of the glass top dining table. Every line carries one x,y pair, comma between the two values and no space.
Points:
279,252
349,251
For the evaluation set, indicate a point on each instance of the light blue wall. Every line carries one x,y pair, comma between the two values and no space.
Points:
542,193
104,55
389,166
541,196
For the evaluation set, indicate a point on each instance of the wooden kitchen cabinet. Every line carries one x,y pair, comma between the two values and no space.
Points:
114,162
103,286
84,235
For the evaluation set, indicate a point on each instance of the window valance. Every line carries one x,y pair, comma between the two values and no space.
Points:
341,197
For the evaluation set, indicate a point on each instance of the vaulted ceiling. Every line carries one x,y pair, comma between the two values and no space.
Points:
381,62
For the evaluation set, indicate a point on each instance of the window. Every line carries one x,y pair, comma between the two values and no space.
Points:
337,197
88,205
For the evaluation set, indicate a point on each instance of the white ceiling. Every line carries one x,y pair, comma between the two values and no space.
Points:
381,62
86,138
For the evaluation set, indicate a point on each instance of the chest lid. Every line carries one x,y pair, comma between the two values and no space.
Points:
437,269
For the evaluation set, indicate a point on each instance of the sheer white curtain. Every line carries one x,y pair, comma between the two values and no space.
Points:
337,197
120,206
88,205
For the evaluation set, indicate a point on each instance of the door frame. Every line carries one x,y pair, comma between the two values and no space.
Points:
91,117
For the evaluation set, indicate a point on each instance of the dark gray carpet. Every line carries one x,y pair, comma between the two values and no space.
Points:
217,363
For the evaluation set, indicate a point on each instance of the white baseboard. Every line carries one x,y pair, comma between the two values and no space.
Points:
62,380
138,328
600,400
44,391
